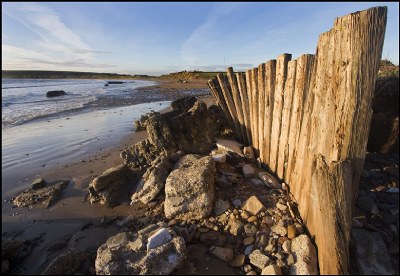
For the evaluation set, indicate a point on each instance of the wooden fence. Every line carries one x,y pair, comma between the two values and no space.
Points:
308,120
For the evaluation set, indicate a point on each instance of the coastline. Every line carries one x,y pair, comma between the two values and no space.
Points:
81,225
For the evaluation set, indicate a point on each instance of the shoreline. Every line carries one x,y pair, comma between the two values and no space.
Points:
80,224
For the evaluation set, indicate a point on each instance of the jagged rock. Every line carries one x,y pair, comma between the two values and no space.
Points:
112,186
159,132
229,146
371,255
253,205
141,124
305,255
126,253
225,254
183,104
38,184
258,259
190,131
189,190
161,237
220,207
271,270
269,180
152,182
186,160
141,155
69,263
45,196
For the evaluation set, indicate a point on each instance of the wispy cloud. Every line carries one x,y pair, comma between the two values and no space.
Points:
204,39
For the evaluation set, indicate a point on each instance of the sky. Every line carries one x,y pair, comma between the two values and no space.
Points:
156,38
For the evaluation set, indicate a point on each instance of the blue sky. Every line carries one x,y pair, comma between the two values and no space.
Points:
156,38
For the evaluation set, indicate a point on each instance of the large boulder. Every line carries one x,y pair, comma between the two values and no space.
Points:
112,186
371,255
189,190
191,131
152,181
55,93
159,132
128,253
45,196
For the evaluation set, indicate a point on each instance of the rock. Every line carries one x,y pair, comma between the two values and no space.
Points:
250,229
291,232
141,155
45,196
392,170
238,260
371,255
154,181
141,124
248,171
186,160
229,146
258,259
286,246
299,228
368,204
38,184
269,180
225,254
220,207
219,156
110,176
236,227
251,273
262,241
189,190
256,181
213,238
253,219
290,260
183,104
160,134
55,93
253,205
280,230
69,263
236,202
161,237
190,130
305,255
126,254
271,270
249,153
248,249
281,207
248,240
176,156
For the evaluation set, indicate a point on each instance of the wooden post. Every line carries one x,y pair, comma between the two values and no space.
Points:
229,102
241,80
281,72
238,102
287,109
270,74
261,110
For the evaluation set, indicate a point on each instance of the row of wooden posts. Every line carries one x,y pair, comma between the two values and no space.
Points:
308,120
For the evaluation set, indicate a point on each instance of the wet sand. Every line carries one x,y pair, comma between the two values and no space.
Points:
71,222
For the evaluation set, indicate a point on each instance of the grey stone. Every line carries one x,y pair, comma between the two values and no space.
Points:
269,180
38,184
127,254
220,207
161,237
153,182
250,229
248,171
248,249
371,255
258,259
189,190
305,255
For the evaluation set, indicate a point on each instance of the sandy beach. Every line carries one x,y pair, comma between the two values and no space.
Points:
79,224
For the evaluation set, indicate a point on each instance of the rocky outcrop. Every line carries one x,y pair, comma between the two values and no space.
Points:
72,262
189,190
55,93
152,181
45,196
128,253
141,124
141,155
112,186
